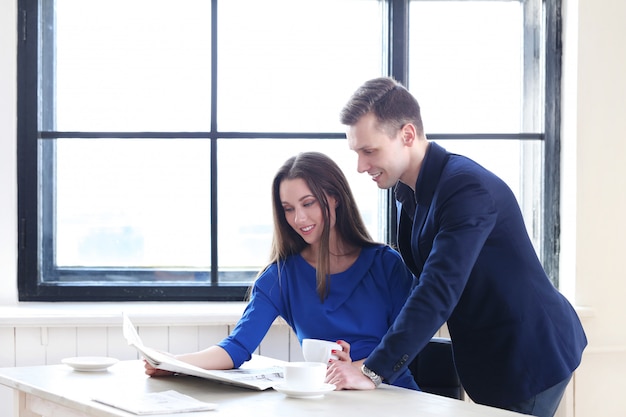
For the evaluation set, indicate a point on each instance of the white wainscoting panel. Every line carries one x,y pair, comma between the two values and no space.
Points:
276,343
117,347
157,337
7,346
30,346
295,350
210,335
92,341
59,343
183,339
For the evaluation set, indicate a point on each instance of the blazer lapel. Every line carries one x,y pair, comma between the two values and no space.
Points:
427,181
405,226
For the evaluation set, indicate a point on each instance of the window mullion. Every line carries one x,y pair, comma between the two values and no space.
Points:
214,151
551,194
398,47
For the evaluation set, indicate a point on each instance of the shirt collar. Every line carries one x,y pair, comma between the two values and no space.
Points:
427,179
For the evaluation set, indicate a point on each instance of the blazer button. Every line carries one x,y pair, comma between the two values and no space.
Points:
401,363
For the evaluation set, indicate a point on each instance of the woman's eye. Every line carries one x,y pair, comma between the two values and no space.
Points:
309,203
287,209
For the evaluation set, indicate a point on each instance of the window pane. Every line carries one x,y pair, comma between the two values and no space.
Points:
118,214
520,165
285,72
132,203
466,65
140,65
502,157
247,169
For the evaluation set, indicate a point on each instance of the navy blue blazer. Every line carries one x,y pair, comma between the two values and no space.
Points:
463,236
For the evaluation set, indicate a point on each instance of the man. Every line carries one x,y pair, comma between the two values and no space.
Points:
516,339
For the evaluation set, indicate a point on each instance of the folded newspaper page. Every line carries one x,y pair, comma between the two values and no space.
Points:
259,373
166,402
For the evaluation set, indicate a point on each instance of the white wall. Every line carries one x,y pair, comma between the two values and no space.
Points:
593,200
594,195
8,162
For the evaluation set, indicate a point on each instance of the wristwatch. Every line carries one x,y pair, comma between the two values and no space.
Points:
376,379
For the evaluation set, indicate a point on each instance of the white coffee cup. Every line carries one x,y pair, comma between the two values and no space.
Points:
317,350
305,376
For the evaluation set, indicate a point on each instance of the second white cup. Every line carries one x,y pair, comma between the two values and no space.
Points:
317,350
305,376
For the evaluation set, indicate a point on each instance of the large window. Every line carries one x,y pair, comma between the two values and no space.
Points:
149,130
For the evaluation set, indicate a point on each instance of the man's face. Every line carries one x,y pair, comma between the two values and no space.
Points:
383,157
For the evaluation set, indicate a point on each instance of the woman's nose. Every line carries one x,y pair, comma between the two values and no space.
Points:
300,216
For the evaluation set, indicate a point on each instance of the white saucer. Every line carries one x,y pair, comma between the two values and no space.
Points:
298,393
90,363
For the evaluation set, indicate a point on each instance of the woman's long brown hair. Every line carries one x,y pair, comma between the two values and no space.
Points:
324,178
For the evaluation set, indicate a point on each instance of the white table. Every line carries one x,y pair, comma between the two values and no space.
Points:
58,390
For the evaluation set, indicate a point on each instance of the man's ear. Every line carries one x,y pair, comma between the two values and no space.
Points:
408,134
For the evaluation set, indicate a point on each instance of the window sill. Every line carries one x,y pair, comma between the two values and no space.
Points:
110,314
146,314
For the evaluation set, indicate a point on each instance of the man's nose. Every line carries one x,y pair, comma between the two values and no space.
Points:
361,165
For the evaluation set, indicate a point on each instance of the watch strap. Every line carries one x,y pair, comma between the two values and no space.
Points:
373,376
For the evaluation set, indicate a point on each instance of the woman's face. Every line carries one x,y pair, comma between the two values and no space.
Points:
303,211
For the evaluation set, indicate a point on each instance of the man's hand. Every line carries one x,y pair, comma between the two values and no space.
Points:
347,376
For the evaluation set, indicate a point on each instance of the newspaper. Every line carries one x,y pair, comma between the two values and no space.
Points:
166,402
260,373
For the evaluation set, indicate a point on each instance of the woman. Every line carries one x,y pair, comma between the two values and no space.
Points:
326,277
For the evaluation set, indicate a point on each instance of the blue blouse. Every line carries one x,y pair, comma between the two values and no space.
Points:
362,303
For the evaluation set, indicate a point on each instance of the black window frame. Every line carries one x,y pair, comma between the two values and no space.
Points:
29,136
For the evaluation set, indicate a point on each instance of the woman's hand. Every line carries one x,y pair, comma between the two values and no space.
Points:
152,371
342,355
346,374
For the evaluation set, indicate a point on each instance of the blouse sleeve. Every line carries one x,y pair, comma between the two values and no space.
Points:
260,313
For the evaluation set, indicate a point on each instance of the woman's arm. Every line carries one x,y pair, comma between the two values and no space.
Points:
211,358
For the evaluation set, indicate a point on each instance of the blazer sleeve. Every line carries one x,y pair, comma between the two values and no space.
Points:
447,242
